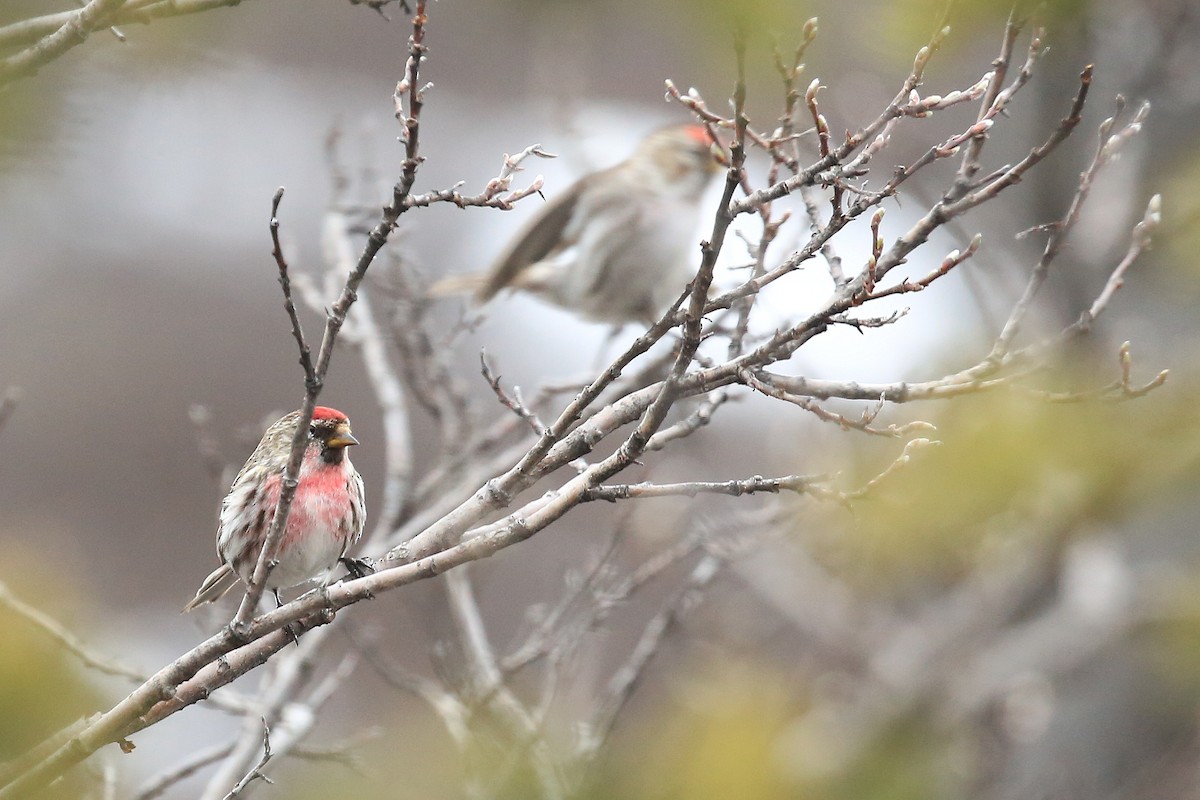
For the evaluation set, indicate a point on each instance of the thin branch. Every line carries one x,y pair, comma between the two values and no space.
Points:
542,639
290,480
160,784
496,194
108,782
863,424
366,336
278,692
1122,389
8,404
513,403
74,30
1143,233
256,772
969,165
900,462
621,686
336,316
285,283
952,260
206,443
697,293
487,681
67,640
693,422
799,484
443,703
30,30
1106,148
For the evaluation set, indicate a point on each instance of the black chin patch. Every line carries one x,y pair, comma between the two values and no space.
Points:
333,455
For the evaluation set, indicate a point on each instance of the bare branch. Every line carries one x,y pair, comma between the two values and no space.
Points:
901,461
623,683
255,772
863,424
969,166
542,640
1143,233
1106,148
1119,390
366,336
8,404
496,194
336,316
488,687
513,404
207,444
160,784
285,283
952,260
67,640
74,30
799,484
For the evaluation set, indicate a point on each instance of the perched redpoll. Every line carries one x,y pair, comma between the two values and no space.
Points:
618,245
326,516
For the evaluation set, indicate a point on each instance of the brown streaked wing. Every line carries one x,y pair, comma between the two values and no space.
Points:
540,239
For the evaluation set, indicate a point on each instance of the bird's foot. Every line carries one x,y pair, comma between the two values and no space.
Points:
358,567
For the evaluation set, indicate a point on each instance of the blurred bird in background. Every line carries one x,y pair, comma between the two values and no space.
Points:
618,245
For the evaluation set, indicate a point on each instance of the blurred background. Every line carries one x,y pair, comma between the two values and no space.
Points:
1015,615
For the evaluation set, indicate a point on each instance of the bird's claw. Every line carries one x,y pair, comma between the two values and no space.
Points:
358,567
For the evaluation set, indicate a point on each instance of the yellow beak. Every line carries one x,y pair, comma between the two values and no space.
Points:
342,437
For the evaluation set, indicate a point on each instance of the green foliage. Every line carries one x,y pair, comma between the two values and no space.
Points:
734,735
24,121
1181,223
909,762
41,691
1012,466
1172,644
722,744
911,22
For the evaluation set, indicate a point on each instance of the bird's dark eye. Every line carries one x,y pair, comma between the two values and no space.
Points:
312,430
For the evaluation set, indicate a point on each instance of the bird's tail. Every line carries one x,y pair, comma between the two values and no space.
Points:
214,587
451,285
